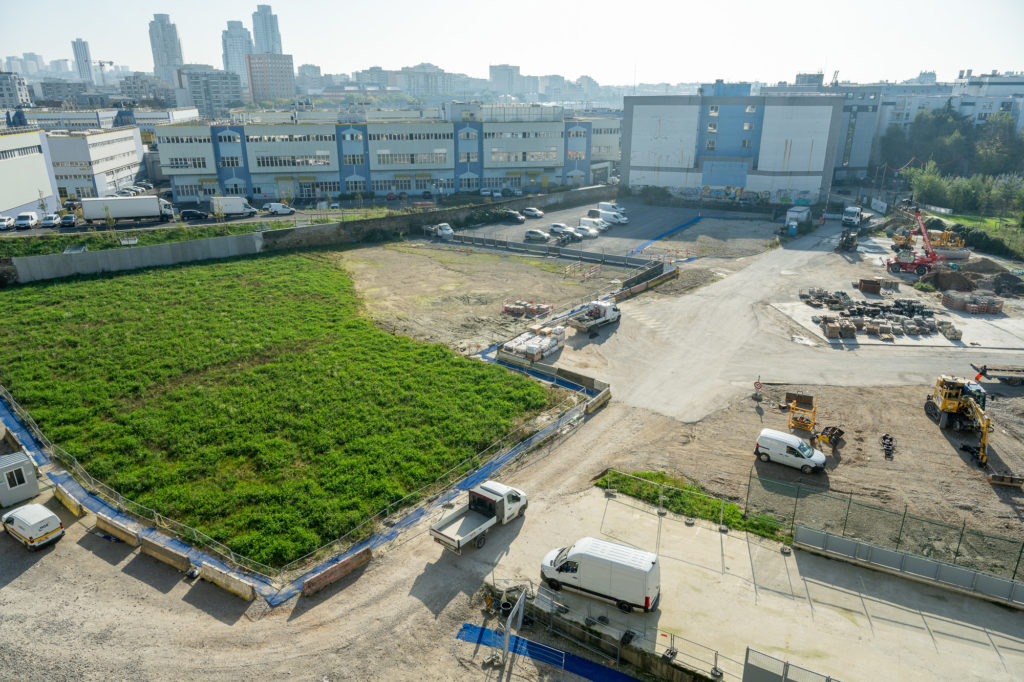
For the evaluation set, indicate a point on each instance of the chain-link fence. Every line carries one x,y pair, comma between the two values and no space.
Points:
772,508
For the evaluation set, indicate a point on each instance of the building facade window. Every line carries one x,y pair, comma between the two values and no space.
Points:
713,127
353,159
747,125
713,110
710,145
576,155
187,162
751,109
746,144
467,135
273,161
469,157
230,161
354,186
469,183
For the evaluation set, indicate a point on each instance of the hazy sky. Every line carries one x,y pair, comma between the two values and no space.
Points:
668,41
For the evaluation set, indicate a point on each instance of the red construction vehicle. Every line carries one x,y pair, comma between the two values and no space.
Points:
908,260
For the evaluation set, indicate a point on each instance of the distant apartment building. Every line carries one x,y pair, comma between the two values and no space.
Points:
993,84
271,77
605,144
459,148
94,163
141,87
504,78
13,91
53,90
60,119
265,31
83,60
725,143
212,91
236,42
163,39
26,172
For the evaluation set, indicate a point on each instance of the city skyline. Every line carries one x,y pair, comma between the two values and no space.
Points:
771,44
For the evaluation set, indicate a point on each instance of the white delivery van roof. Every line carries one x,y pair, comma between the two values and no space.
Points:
629,556
495,488
31,514
787,438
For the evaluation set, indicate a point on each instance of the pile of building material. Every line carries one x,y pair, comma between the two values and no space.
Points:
946,279
947,329
819,298
537,343
525,309
974,304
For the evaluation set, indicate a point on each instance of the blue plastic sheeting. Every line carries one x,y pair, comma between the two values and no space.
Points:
541,652
32,446
665,234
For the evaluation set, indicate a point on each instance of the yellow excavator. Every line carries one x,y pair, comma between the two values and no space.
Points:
960,403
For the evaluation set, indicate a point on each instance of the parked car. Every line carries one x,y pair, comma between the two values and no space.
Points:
536,236
426,194
335,206
391,196
6,222
194,214
403,195
145,185
515,216
126,192
533,213
71,205
137,189
26,220
51,220
588,232
68,220
33,525
276,208
557,228
785,448
571,235
485,192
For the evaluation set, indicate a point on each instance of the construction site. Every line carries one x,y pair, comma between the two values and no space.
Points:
913,395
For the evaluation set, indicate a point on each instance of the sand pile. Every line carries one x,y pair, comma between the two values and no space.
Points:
945,279
983,265
1004,284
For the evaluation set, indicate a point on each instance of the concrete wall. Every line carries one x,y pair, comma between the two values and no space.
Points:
165,554
118,530
68,501
237,586
335,572
55,266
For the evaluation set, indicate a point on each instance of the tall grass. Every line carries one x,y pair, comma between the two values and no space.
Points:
248,398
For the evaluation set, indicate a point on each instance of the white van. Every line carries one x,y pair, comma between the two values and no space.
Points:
33,525
610,207
628,576
278,209
26,220
595,223
785,448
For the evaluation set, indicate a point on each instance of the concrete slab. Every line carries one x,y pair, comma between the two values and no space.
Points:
726,591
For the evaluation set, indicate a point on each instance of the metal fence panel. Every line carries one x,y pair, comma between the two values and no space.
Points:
997,587
759,667
1017,594
889,558
809,536
956,575
1000,556
873,524
920,566
846,546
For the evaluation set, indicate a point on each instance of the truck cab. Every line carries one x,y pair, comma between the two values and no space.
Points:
490,503
852,216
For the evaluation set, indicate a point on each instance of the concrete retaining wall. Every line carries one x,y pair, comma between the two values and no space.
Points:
68,501
118,530
237,586
335,572
165,554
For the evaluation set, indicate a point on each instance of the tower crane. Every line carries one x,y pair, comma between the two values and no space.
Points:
101,63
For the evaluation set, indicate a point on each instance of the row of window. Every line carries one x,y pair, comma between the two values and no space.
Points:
183,139
21,151
325,137
745,144
605,131
575,155
511,134
713,109
316,159
469,157
409,136
114,157
426,158
117,140
72,177
353,159
549,154
467,135
187,162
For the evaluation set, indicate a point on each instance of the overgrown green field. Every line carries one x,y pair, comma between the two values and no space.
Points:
1007,230
248,398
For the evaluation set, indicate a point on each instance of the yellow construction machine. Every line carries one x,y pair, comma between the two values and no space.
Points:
960,403
946,240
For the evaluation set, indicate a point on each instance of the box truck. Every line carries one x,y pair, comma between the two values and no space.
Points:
627,576
595,223
127,208
232,206
490,503
853,216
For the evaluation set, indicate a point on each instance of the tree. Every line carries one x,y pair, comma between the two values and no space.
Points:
893,147
999,148
42,204
927,185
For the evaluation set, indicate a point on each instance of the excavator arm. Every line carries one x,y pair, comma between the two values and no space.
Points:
984,425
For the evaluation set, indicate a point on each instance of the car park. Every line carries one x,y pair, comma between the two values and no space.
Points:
126,192
33,525
144,185
515,216
536,236
51,220
137,189
68,220
533,212
6,222
193,214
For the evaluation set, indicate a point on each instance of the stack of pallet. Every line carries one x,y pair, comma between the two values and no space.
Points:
974,304
947,329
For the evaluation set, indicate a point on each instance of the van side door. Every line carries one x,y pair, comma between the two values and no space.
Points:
793,457
569,573
513,502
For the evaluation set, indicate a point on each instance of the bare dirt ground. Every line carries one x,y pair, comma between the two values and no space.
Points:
681,364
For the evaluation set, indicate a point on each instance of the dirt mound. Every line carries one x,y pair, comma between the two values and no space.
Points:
983,265
1004,284
945,279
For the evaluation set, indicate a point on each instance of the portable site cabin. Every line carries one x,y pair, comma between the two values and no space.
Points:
18,480
798,214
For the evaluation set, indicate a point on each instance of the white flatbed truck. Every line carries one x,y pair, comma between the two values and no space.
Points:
596,314
490,503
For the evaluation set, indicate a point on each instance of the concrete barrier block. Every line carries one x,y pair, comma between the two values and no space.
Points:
598,401
118,530
67,500
165,554
335,572
233,584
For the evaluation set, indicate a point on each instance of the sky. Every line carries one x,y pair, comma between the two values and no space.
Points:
614,42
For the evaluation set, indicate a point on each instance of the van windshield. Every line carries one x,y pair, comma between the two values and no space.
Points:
562,553
806,450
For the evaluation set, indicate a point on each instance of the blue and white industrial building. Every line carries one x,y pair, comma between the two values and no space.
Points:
458,148
725,143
